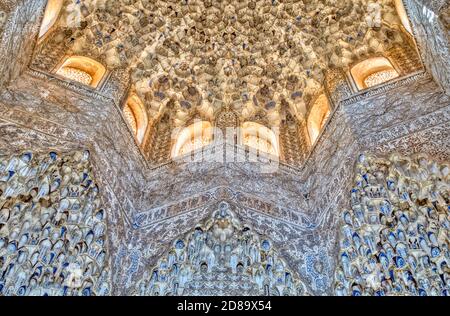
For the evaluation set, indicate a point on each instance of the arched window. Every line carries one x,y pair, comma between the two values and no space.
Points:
82,69
401,11
136,116
372,72
260,138
318,117
51,15
193,137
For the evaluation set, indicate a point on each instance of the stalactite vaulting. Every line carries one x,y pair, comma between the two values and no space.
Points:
213,147
206,54
221,257
52,226
395,239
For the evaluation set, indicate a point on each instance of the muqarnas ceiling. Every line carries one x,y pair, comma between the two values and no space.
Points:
254,55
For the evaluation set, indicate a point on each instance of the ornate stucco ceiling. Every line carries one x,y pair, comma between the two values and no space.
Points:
256,55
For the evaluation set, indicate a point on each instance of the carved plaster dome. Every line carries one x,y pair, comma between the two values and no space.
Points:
251,53
224,147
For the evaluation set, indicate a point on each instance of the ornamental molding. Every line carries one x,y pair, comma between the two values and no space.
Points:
70,85
158,215
384,88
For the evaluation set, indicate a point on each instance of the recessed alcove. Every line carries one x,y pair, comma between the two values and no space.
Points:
83,70
372,72
136,116
260,138
192,138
